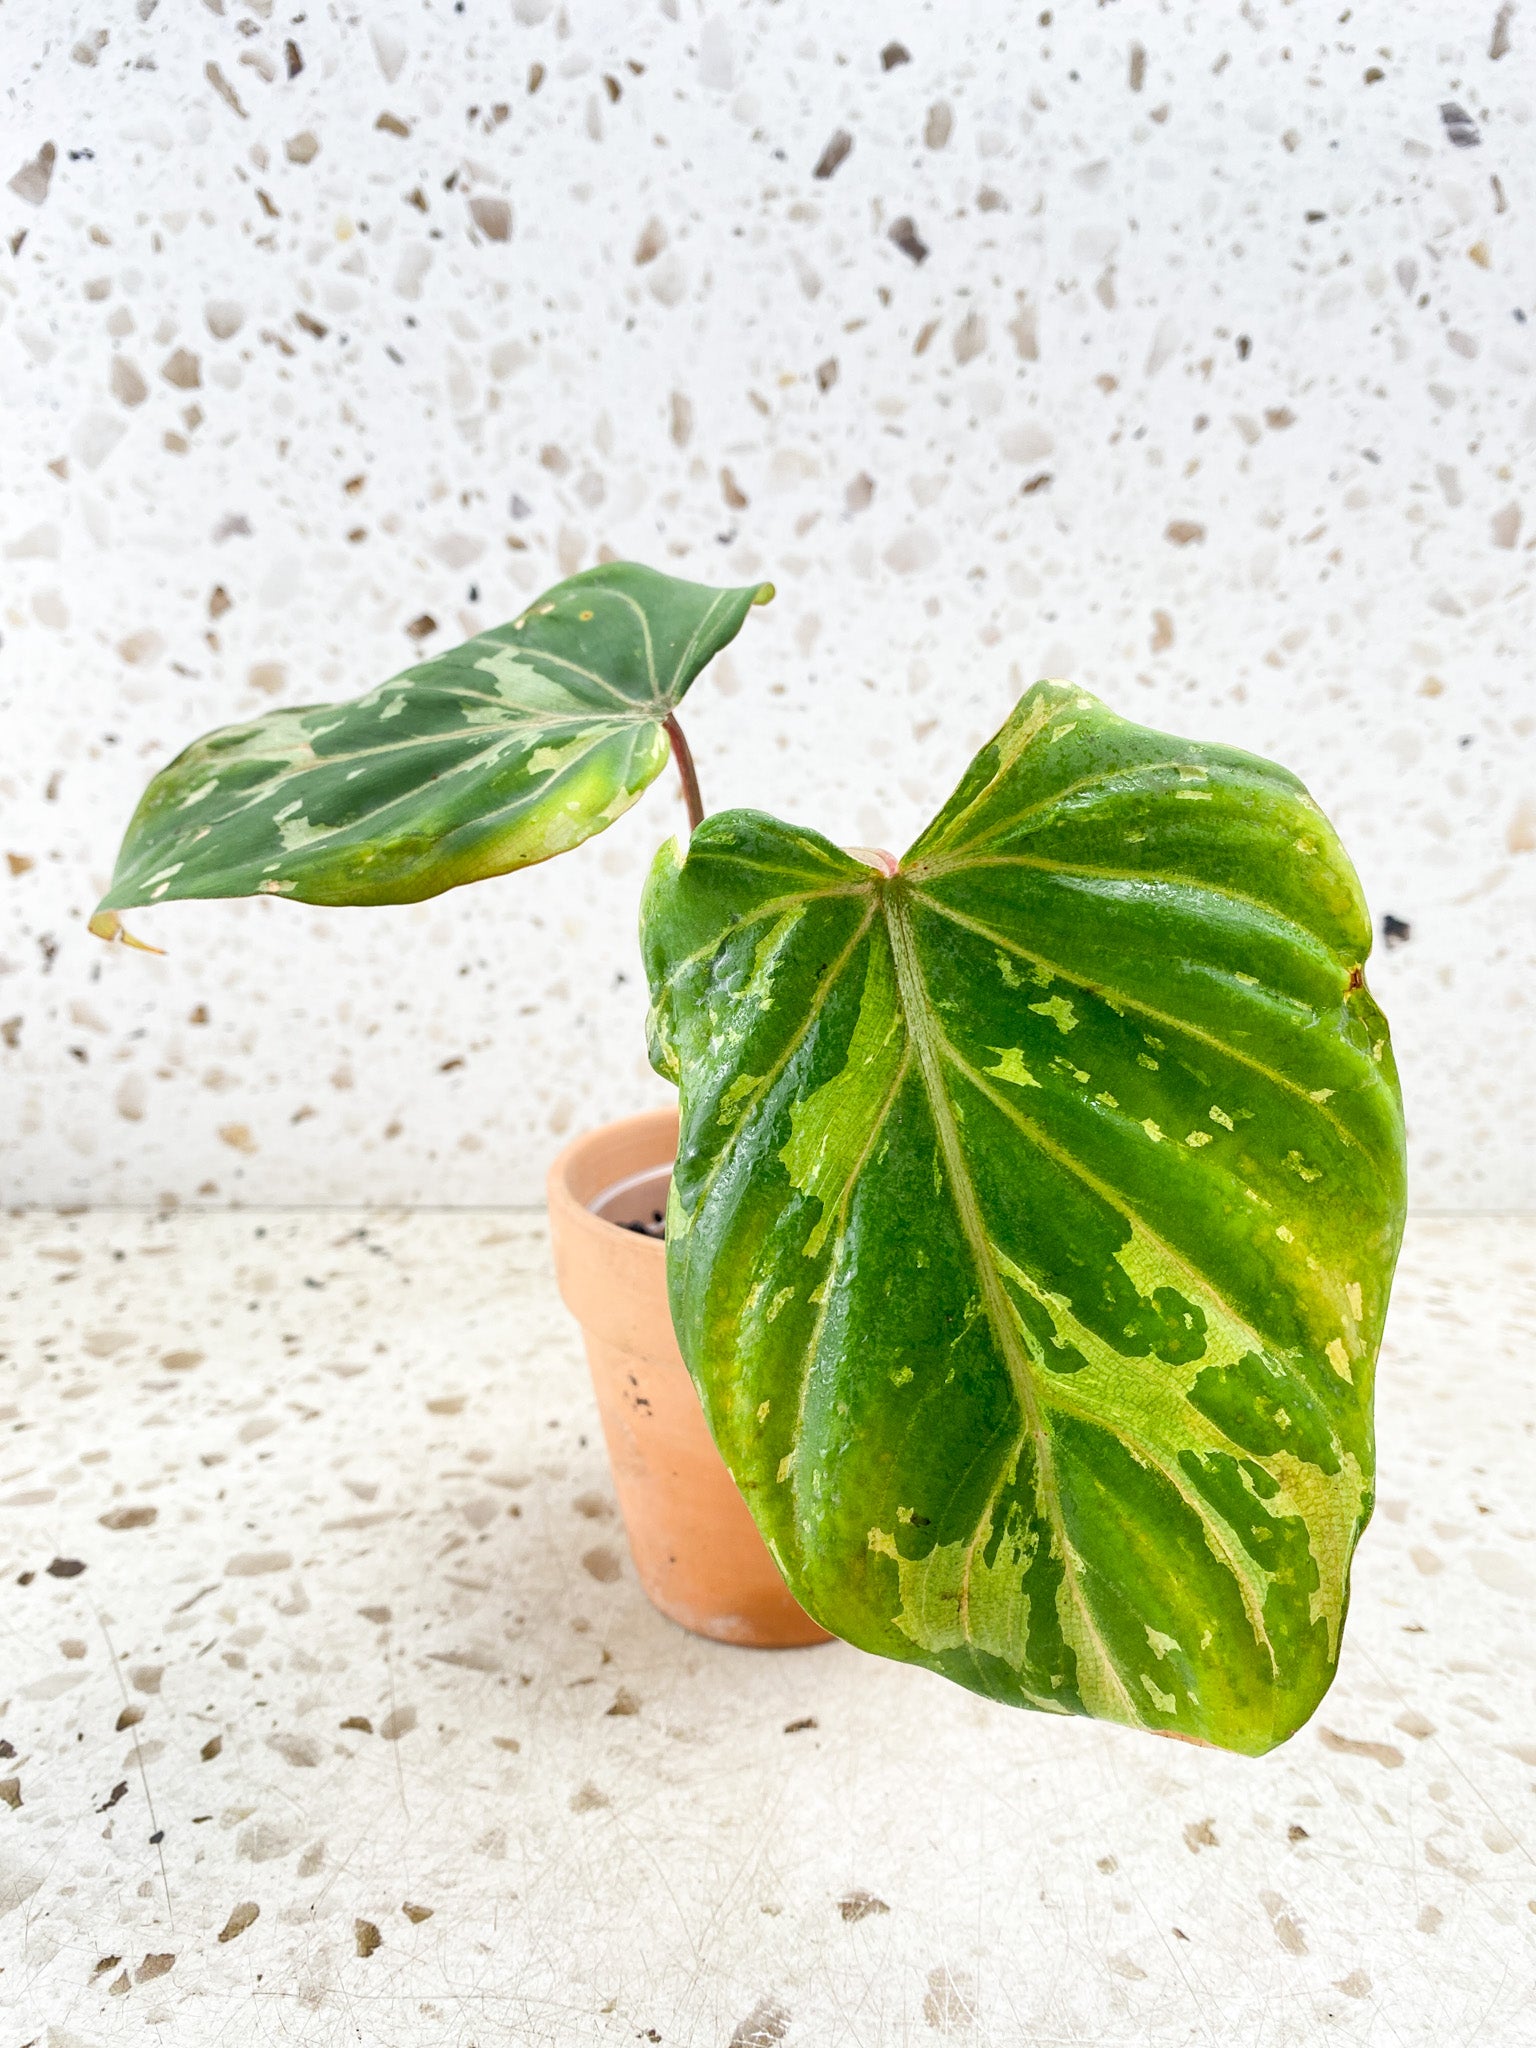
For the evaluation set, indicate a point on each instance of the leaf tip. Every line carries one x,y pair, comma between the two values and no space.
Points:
105,924
764,594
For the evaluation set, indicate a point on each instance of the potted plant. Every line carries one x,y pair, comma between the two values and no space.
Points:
1036,1196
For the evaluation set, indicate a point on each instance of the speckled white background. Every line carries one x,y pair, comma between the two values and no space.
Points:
331,1711
1213,391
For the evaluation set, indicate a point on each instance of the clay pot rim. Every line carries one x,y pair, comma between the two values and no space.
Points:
583,1170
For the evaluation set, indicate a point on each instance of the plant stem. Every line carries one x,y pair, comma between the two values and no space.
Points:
686,772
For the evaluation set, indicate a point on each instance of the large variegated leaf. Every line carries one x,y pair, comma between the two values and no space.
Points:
1034,1217
516,746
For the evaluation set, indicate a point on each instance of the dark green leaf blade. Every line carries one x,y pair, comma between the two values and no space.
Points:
1034,1219
508,750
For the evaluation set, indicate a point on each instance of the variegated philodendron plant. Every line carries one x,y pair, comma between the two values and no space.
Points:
1038,1194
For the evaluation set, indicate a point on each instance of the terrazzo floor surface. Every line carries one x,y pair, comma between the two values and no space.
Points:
332,1712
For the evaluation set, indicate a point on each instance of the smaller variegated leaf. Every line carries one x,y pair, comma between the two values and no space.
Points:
1034,1216
516,746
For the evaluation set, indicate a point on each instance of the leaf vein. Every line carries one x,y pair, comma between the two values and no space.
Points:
1145,1009
693,640
791,1046
923,1032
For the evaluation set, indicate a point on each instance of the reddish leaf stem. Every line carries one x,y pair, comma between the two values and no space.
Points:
686,772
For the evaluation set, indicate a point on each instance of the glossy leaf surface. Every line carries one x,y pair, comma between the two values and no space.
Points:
516,746
1034,1218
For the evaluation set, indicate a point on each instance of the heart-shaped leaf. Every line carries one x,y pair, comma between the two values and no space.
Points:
516,746
1034,1217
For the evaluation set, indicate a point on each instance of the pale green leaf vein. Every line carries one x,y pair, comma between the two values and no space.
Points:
693,640
925,1035
1200,1281
964,863
782,1059
1117,996
998,827
775,908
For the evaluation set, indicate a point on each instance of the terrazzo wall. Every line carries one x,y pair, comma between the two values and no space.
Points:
1183,351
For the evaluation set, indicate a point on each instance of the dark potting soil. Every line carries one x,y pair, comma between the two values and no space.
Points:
638,1202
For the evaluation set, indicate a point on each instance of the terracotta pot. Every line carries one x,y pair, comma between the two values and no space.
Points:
695,1546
